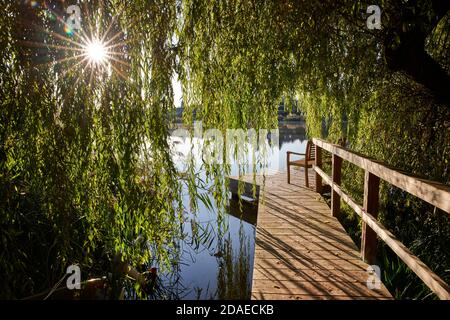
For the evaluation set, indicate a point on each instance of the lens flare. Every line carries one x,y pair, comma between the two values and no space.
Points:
96,51
68,30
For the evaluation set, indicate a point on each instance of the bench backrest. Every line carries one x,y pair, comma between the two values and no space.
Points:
310,151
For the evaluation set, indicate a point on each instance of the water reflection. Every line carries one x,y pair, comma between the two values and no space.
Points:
216,254
291,132
235,270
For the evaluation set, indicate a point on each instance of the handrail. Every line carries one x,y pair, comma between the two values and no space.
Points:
435,193
432,192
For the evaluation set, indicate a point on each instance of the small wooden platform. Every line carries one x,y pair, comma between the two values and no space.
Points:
301,251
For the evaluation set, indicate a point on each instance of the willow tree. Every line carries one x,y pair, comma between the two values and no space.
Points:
87,173
85,163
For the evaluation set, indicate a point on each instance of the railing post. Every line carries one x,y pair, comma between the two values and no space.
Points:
318,164
371,197
336,176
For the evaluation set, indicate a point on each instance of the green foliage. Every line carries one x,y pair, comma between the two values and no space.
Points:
85,164
86,167
240,58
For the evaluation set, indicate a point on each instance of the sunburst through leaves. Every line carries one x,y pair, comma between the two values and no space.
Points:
95,49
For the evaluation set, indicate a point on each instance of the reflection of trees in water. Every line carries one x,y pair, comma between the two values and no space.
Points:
169,285
234,275
200,237
163,283
290,132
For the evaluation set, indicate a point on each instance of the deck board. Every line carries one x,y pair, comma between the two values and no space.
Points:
301,251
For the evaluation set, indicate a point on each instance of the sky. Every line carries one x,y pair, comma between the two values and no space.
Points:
176,91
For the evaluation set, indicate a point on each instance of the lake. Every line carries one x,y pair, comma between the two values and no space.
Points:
219,265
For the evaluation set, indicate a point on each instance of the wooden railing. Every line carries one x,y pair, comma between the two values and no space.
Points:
432,192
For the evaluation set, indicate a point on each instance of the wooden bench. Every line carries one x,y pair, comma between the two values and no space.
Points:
306,162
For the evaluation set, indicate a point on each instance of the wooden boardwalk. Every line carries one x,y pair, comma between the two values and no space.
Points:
301,251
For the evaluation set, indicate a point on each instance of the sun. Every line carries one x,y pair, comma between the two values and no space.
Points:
96,51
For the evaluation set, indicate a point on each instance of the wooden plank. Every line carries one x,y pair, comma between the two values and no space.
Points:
432,192
247,188
329,265
369,237
318,163
314,238
336,176
315,275
305,244
301,251
280,296
308,255
314,288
